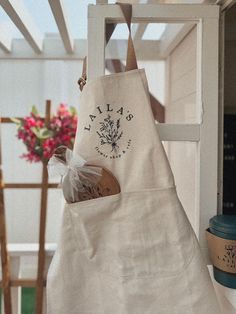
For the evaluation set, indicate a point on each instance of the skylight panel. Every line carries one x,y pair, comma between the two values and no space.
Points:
154,31
42,15
6,24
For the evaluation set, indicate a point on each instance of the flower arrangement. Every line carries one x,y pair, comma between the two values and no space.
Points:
41,138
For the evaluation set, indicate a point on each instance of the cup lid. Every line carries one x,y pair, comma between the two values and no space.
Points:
224,223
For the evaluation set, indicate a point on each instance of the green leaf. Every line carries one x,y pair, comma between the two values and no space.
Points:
38,149
36,131
16,121
43,133
73,111
34,110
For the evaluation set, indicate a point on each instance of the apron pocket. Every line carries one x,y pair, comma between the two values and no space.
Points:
140,234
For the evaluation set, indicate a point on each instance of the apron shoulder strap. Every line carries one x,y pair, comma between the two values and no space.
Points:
131,59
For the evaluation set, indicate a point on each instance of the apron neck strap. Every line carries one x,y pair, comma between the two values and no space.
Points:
131,60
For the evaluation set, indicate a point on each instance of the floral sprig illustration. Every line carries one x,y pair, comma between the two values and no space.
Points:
110,133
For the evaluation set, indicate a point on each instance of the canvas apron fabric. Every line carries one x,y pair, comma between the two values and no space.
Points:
134,252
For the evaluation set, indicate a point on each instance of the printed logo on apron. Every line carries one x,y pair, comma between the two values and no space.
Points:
108,126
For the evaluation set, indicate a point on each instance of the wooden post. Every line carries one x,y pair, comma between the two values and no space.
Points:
42,228
3,242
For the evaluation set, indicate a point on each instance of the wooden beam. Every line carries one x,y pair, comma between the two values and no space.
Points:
61,19
172,36
53,49
5,38
153,13
138,30
24,22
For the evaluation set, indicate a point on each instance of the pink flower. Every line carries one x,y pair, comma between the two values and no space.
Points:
62,110
49,146
62,130
31,157
65,138
39,123
29,122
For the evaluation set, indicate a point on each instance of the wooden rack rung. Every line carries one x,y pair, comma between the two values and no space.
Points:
28,185
8,119
39,283
25,283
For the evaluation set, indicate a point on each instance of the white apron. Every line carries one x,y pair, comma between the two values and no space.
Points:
134,252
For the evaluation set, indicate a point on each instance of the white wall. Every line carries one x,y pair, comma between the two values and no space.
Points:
230,64
156,78
181,108
22,84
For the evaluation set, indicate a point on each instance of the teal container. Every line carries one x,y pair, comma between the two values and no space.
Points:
224,226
